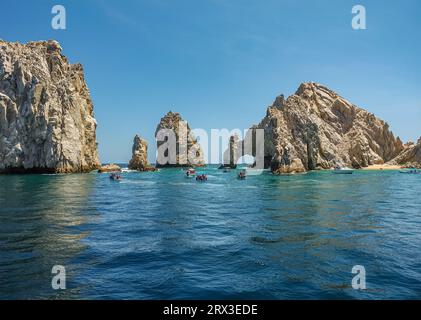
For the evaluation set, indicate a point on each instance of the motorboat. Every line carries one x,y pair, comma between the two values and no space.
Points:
411,171
242,175
343,170
116,177
190,173
202,177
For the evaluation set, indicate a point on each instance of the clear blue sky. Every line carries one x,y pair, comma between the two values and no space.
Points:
220,63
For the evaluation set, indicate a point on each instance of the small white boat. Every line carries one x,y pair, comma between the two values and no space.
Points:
343,170
190,173
410,171
255,172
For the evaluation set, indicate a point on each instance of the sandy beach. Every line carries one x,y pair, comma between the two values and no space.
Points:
383,167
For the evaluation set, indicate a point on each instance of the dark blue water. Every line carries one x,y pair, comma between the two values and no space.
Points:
163,236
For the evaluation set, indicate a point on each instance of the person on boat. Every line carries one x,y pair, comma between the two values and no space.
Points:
201,177
190,172
115,176
241,174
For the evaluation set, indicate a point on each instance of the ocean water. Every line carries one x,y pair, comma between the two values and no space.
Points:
163,236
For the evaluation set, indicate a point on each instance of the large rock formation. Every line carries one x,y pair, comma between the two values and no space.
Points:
410,156
139,159
46,112
317,129
176,146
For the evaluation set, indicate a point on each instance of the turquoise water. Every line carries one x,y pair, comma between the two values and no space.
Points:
163,236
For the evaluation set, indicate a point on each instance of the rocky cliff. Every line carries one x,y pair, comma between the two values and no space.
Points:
46,112
410,155
176,146
139,159
315,128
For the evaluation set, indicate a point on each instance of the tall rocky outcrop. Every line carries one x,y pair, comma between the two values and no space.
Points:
176,146
46,112
230,156
139,159
315,128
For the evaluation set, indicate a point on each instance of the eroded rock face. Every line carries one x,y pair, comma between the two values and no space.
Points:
46,112
410,156
317,129
139,159
186,151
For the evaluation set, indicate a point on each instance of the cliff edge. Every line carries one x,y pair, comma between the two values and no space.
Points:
46,112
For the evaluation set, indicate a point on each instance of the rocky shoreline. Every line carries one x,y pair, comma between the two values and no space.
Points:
47,125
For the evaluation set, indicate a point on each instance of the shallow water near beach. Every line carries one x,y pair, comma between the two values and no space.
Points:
159,235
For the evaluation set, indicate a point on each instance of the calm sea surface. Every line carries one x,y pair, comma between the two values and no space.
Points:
163,236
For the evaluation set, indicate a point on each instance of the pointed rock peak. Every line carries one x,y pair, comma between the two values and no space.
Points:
172,114
309,89
53,45
279,101
170,117
139,140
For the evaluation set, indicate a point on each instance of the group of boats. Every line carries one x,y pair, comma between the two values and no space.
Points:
345,170
191,173
243,173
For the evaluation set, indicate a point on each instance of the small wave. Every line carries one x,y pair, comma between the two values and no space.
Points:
264,240
214,184
180,183
138,182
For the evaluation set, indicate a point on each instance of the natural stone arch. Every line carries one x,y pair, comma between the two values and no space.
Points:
252,145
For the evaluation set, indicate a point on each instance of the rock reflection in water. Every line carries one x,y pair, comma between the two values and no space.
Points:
42,218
